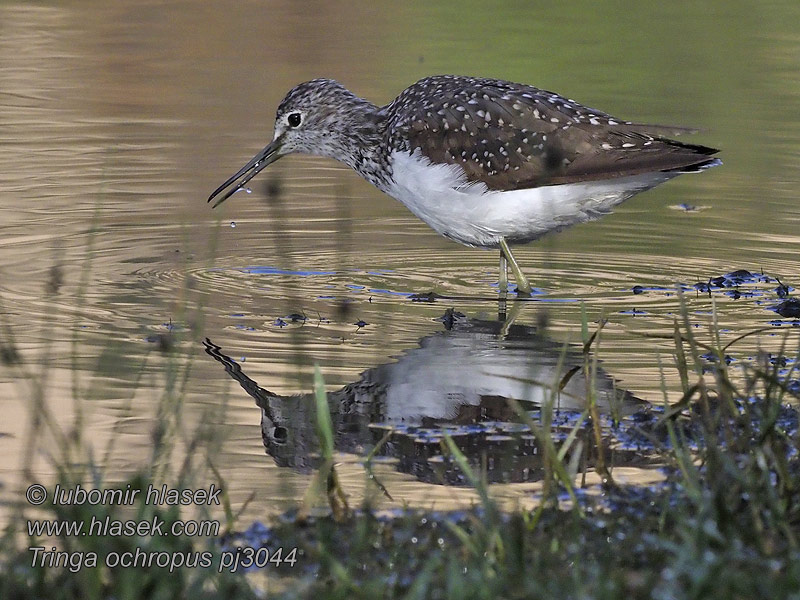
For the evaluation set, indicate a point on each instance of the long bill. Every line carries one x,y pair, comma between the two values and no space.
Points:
260,161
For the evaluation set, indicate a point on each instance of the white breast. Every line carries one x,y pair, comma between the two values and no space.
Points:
473,215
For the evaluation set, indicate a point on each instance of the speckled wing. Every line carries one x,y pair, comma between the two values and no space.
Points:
511,136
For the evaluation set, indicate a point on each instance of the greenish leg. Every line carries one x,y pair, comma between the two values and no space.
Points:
523,287
503,286
503,275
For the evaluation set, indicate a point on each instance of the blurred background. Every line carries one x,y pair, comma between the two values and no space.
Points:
118,119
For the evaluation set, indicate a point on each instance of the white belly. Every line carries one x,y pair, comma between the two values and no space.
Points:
475,216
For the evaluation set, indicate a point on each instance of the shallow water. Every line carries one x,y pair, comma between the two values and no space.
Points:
117,121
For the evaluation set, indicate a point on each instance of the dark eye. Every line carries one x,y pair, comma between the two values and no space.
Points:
280,434
294,119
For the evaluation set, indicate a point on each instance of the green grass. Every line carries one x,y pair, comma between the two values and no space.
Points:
725,524
180,457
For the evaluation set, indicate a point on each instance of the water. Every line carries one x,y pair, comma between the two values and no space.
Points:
118,120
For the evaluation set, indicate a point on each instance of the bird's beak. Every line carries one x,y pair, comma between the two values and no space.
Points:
261,160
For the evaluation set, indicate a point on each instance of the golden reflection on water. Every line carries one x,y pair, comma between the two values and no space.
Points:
118,119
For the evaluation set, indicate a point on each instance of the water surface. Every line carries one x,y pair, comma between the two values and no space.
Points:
118,120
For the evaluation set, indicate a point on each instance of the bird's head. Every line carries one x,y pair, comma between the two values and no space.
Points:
313,118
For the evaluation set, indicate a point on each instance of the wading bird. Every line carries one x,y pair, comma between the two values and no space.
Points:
484,162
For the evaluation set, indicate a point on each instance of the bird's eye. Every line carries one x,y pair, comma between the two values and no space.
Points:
294,119
280,435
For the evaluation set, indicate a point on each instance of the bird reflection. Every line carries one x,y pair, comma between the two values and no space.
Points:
460,381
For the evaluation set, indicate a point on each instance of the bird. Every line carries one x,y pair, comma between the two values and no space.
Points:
485,162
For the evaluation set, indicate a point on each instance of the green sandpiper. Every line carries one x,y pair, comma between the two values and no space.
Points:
484,162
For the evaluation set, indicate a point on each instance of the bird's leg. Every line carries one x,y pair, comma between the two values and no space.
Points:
523,287
503,285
